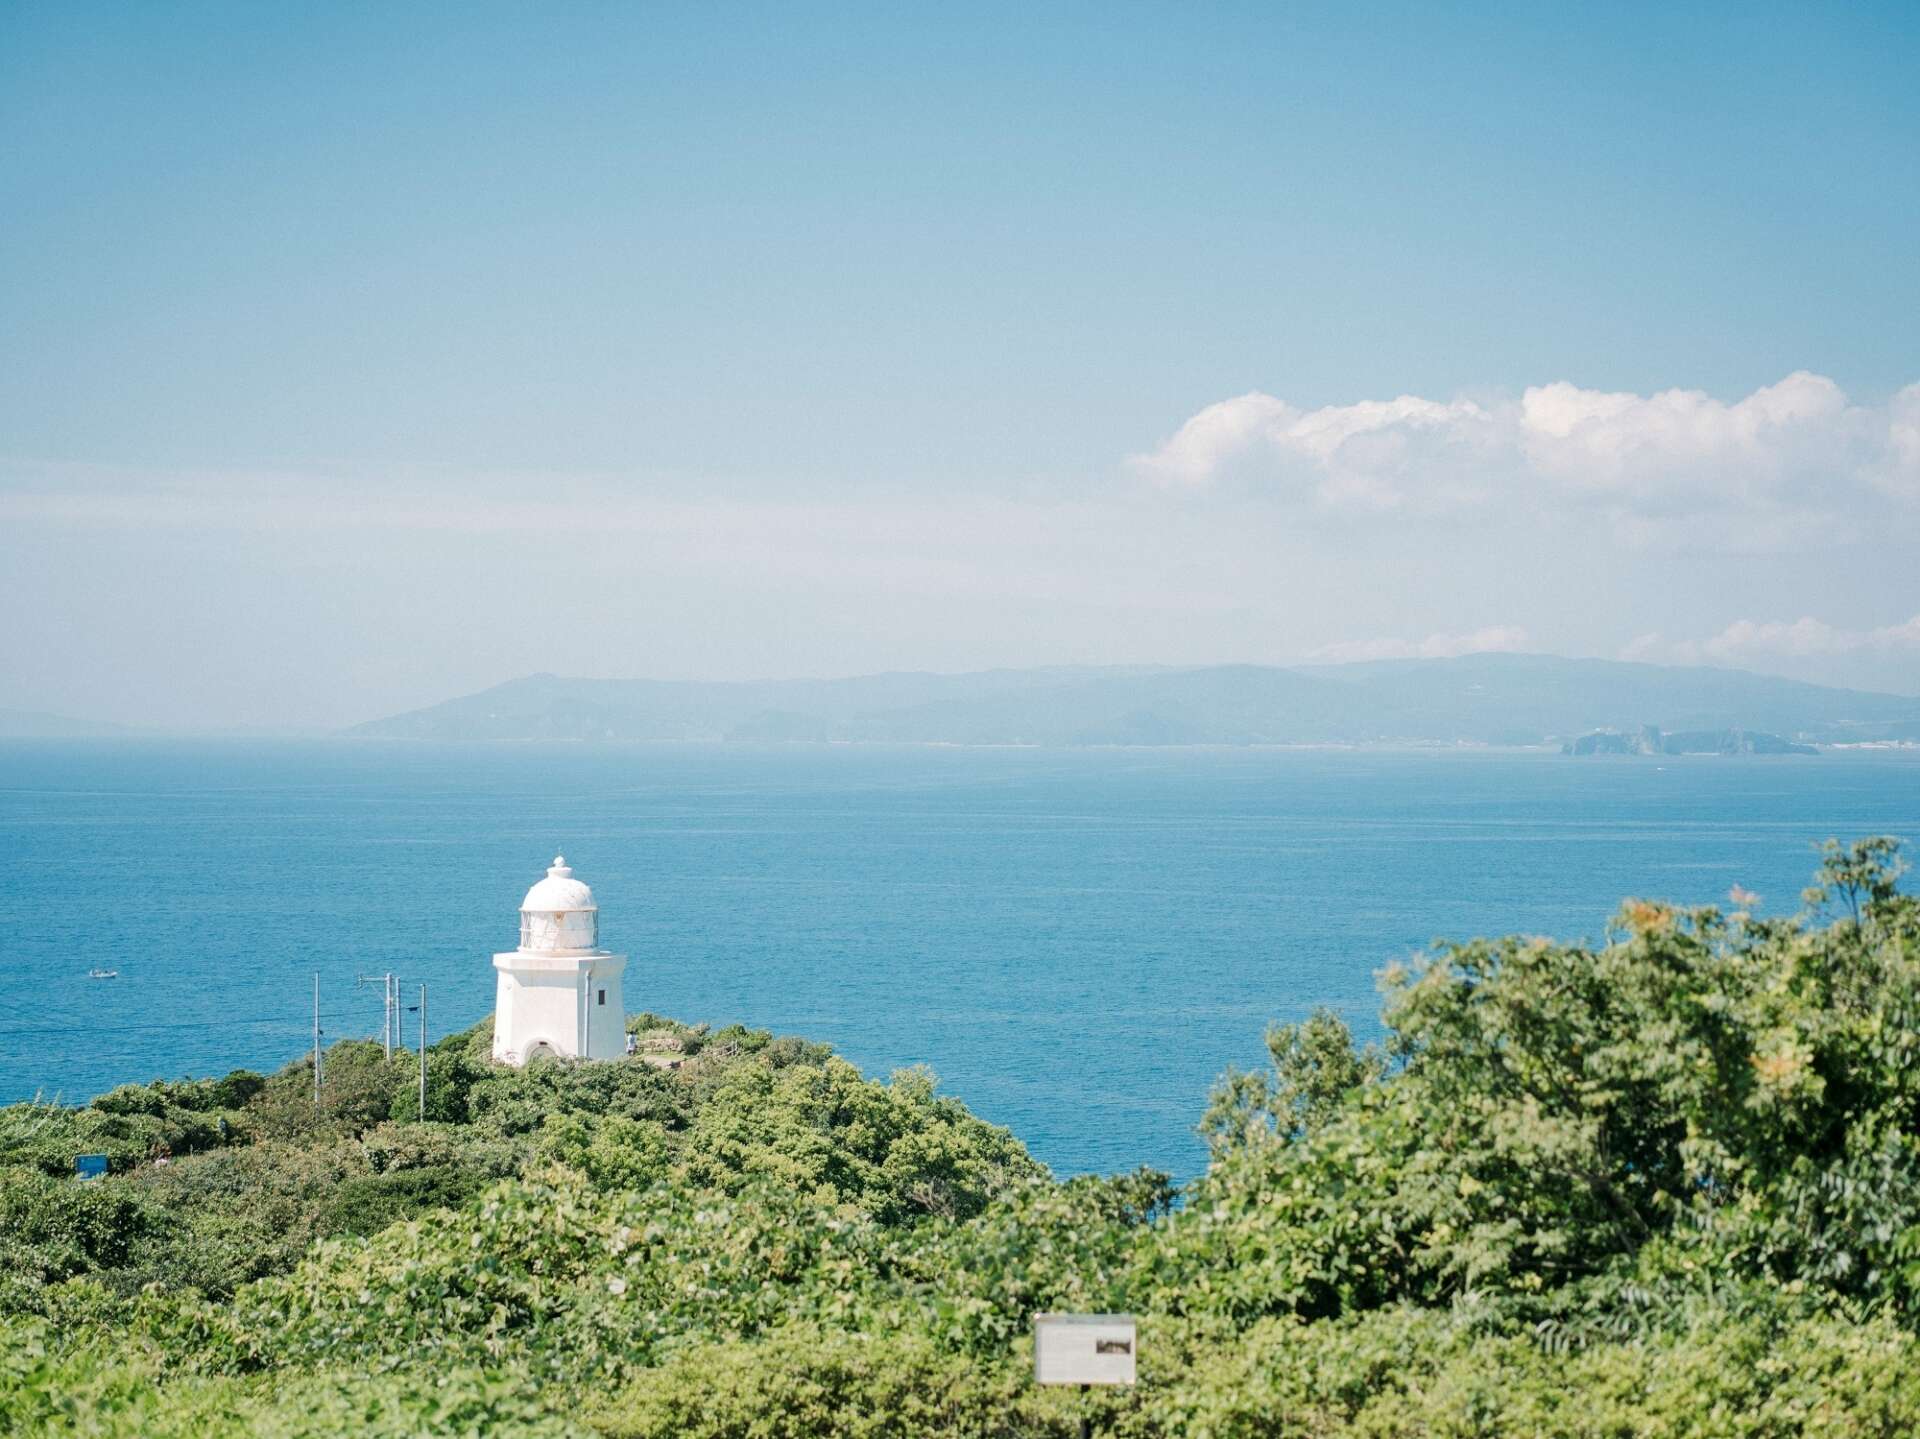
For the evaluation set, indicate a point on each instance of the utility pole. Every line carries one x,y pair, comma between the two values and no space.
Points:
389,1000
316,1041
423,1051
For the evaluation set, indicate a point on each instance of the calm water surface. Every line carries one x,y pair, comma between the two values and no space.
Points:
1076,941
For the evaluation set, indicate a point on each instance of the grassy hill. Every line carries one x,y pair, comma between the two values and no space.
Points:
1665,1187
1485,699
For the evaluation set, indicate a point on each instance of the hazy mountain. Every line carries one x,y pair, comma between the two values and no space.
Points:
33,724
554,707
1228,704
1508,698
1489,699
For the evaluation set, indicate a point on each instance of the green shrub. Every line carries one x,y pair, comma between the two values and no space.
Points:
803,1381
53,1383
51,1229
898,1149
1664,1186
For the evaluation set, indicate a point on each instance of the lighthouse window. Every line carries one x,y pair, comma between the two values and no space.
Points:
603,997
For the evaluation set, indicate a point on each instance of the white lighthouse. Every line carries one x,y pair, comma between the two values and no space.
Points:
559,992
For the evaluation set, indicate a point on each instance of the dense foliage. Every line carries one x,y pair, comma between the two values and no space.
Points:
1664,1185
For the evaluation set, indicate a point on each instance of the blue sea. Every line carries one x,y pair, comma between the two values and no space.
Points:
1077,941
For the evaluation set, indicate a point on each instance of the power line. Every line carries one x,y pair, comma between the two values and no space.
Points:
156,1028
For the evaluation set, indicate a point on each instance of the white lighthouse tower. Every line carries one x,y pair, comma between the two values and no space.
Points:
559,992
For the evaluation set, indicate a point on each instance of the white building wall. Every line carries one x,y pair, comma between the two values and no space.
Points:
570,1003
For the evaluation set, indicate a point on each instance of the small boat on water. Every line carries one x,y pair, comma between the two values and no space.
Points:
103,974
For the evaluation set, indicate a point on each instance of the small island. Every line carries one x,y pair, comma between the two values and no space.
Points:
1651,740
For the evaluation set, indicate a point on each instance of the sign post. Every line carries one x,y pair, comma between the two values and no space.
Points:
1084,1349
90,1166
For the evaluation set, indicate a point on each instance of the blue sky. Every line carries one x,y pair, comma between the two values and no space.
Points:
403,349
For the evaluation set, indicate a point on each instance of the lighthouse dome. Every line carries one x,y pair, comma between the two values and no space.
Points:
559,915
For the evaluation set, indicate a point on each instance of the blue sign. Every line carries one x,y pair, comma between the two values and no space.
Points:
90,1166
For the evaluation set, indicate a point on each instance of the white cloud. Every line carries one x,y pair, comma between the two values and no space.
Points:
1759,642
1375,455
1900,474
1760,469
1490,639
956,546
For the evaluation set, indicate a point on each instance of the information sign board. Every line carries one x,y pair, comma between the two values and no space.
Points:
1083,1348
90,1166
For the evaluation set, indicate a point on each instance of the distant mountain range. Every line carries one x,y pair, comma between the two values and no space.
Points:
1498,699
33,724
